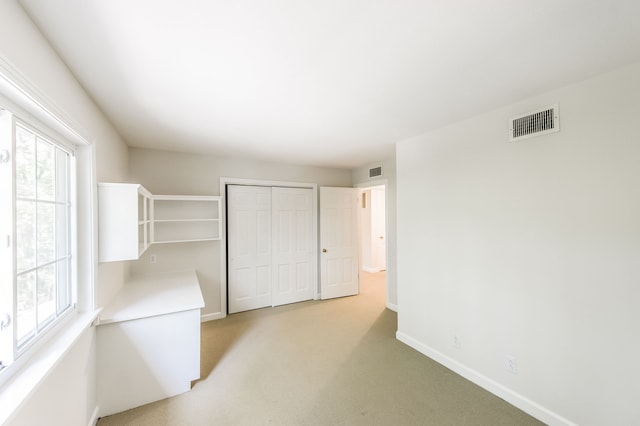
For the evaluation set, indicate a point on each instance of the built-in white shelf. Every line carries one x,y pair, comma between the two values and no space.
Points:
185,218
131,219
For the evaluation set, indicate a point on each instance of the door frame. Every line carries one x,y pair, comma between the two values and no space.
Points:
224,282
363,186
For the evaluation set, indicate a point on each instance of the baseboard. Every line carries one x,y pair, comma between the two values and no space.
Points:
212,317
370,269
392,306
93,420
532,408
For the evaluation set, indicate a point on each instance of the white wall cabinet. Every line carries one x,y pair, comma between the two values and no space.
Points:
124,221
131,219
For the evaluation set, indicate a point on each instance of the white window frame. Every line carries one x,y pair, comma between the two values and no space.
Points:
70,182
14,349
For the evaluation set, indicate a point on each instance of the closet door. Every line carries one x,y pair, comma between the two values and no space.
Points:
292,245
249,247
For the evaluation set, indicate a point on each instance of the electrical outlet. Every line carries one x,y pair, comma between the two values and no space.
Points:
456,341
153,259
511,364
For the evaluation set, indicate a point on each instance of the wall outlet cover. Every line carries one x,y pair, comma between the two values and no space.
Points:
511,364
456,341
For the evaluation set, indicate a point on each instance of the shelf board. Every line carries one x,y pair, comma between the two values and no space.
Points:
205,198
184,220
187,241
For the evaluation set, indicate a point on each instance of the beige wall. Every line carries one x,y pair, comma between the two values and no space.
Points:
165,172
530,249
69,390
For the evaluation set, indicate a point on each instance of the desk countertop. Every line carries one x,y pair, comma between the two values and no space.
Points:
152,295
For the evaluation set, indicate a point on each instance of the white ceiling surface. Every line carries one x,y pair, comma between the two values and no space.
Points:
324,82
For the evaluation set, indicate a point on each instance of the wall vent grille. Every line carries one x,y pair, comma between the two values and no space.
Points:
537,123
375,171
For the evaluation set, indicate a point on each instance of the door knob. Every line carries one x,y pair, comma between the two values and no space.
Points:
324,250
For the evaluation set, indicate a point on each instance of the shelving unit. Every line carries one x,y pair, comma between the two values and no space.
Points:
144,221
131,219
185,218
124,221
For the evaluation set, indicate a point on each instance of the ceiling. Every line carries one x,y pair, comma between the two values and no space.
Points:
323,82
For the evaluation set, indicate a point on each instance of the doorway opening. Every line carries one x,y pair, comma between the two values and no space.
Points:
373,235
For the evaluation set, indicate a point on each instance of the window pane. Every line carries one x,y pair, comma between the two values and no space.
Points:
25,163
25,235
64,285
46,294
62,230
26,318
46,170
62,176
46,233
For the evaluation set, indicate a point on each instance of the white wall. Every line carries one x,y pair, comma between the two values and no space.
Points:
530,249
72,383
164,172
68,395
360,178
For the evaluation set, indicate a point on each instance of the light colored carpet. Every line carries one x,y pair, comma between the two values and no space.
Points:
333,362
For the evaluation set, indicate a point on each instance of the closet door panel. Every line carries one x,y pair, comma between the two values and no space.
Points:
293,252
249,251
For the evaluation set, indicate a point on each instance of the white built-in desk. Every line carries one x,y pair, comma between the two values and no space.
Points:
148,341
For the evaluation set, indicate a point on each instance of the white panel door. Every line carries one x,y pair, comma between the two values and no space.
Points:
338,242
292,247
249,247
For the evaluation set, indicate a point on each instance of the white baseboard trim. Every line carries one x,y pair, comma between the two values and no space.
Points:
93,420
212,317
370,269
393,307
530,407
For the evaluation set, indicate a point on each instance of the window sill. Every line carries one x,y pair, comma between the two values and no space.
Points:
29,376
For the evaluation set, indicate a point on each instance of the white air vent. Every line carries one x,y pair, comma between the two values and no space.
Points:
375,171
540,122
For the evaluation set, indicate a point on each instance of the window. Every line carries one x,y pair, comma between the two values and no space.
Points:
37,265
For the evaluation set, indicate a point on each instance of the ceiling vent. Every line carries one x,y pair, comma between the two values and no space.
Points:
537,123
375,171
